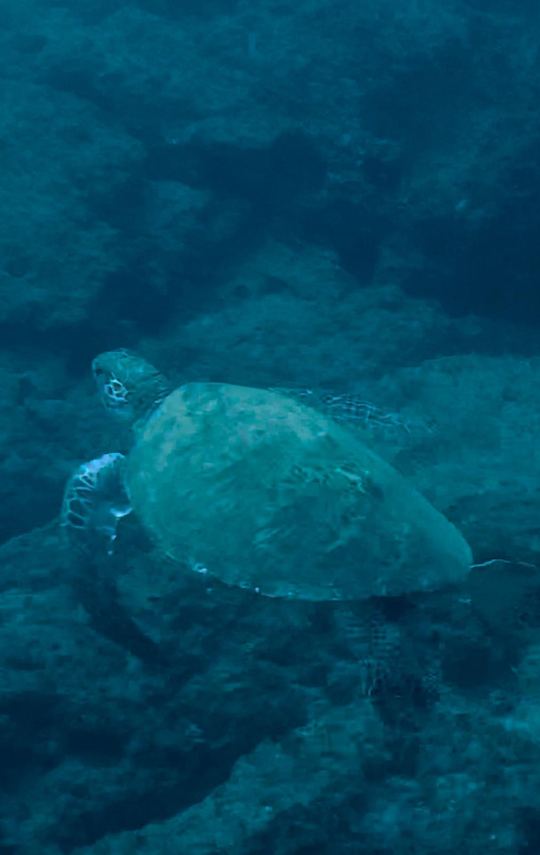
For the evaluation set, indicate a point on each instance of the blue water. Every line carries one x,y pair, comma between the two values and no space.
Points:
342,200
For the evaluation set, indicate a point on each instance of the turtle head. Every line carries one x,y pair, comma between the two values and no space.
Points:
129,386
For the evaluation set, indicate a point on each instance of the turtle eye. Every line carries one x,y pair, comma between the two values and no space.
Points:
114,395
115,392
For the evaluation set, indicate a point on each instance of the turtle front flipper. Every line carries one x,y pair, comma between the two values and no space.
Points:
94,500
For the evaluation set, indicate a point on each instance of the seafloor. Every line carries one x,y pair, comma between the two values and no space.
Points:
340,196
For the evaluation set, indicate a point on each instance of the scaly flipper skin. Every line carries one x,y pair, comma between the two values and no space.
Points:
94,501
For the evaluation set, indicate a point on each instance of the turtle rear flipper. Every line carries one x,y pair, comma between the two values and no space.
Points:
94,500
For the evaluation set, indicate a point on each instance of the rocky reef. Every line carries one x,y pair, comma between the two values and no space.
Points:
335,198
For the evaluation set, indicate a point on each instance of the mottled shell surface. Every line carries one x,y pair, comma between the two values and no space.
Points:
267,494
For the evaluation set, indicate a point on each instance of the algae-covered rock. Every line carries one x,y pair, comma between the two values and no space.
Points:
480,463
59,160
262,792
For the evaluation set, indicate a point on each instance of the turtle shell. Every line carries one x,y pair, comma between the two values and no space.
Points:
267,494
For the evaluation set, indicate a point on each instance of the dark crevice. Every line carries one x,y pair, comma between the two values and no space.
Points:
489,272
77,344
203,770
352,231
267,177
209,770
19,513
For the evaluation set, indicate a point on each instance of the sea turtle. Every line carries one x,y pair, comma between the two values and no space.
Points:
259,490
